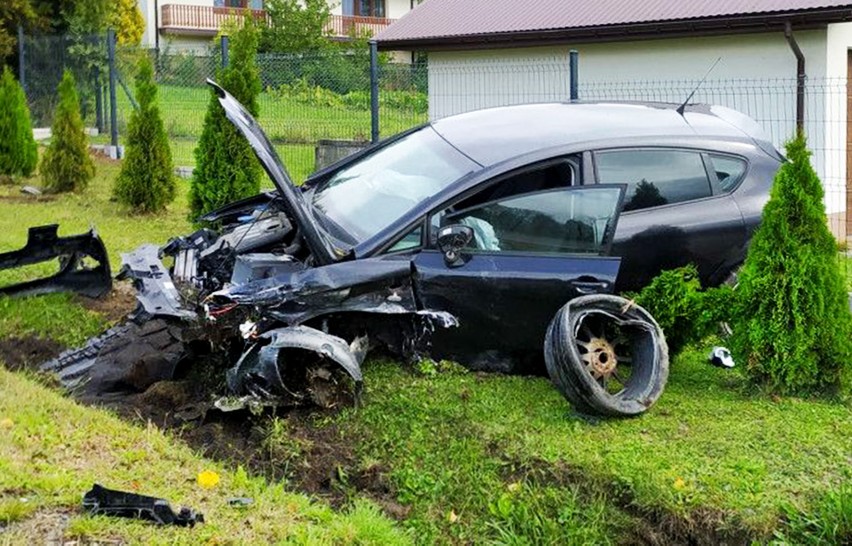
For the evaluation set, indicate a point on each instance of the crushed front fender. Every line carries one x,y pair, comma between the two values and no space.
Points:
282,363
75,255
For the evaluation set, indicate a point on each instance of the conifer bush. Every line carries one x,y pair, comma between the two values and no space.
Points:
686,313
66,165
146,182
225,166
792,328
18,150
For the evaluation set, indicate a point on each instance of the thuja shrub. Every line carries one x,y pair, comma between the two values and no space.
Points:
18,150
225,166
146,182
686,313
66,165
791,323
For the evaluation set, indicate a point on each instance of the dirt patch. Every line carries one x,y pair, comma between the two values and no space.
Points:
25,198
27,353
43,527
114,306
649,527
300,447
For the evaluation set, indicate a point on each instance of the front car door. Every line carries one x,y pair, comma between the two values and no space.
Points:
530,253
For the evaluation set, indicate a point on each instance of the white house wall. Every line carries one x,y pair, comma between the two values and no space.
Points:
755,74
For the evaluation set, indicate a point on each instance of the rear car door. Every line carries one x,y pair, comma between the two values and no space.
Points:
530,253
675,213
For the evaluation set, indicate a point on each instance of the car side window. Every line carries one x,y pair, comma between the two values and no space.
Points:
409,241
729,170
567,221
654,177
559,173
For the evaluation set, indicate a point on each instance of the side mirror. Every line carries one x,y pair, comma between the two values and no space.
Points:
452,240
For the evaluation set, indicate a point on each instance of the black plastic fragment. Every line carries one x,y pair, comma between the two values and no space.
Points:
108,502
75,275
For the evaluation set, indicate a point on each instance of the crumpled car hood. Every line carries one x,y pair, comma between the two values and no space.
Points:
321,247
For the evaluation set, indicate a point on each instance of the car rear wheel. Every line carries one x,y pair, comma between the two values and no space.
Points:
607,356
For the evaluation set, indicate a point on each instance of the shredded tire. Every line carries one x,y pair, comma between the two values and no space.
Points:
129,357
607,356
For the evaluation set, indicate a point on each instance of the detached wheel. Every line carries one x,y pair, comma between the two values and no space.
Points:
607,356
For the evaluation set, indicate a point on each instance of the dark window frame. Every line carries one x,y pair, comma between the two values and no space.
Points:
371,5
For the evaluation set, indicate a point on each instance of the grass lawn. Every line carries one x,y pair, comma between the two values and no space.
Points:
466,457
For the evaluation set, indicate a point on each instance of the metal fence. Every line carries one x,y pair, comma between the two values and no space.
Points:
306,99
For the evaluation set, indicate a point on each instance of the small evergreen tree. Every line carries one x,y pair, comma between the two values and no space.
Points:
18,150
66,164
225,166
146,182
792,327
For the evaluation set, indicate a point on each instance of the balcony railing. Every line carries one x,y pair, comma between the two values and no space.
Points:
346,25
184,19
207,20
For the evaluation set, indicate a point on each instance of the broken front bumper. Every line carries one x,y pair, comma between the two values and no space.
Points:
75,254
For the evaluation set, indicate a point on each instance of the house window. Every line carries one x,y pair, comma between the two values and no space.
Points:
242,4
364,8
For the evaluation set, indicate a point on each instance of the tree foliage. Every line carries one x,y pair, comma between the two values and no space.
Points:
792,325
226,168
127,21
66,164
18,150
12,12
686,313
296,26
146,182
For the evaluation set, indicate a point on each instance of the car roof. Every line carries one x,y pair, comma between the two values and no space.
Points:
494,134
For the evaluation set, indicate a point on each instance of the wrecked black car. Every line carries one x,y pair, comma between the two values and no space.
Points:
494,239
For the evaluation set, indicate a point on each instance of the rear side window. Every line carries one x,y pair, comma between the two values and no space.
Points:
729,171
655,177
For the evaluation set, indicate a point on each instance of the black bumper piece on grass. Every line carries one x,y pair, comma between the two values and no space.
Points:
75,255
102,501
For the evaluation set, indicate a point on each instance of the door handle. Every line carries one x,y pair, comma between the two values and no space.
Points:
590,286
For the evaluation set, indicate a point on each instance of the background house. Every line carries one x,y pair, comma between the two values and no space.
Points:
188,24
490,53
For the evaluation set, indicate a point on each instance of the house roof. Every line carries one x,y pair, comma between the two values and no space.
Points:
454,23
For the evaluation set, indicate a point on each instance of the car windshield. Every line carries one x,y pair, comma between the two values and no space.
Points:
375,191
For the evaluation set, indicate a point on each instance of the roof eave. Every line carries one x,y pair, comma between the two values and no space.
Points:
740,24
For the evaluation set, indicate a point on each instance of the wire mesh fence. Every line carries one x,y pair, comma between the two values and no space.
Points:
306,99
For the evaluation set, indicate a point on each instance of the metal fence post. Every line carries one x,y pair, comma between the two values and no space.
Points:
573,61
224,46
113,106
22,65
99,101
374,91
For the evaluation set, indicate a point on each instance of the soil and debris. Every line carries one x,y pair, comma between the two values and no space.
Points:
28,352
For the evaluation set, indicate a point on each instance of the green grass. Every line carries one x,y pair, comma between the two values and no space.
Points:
474,458
708,444
52,450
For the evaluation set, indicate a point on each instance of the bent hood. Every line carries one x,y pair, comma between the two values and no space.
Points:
323,251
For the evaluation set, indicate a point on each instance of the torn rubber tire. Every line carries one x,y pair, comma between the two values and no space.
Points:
129,357
607,356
